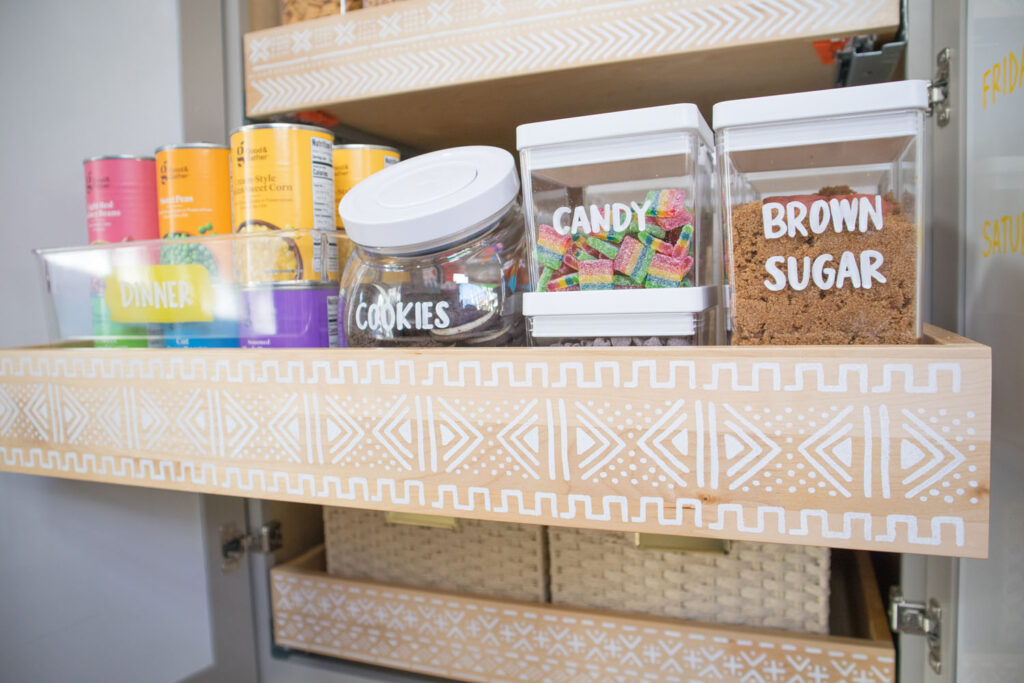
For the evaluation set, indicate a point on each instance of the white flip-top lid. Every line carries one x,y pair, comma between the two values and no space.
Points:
665,119
430,201
862,99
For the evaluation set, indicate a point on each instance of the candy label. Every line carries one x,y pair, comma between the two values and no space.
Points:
596,218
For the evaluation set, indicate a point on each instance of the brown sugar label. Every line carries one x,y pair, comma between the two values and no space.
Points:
832,268
803,216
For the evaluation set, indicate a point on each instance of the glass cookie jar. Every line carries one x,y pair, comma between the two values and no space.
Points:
823,214
621,217
439,256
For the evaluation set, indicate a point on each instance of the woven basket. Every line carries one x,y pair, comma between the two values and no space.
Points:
492,559
756,584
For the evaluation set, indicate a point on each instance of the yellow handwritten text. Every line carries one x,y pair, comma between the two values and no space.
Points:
1004,78
1004,235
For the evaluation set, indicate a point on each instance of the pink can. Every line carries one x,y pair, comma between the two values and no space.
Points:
120,198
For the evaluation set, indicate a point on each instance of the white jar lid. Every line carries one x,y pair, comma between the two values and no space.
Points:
431,200
862,99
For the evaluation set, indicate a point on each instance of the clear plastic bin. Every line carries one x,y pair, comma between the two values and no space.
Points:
824,199
252,289
621,217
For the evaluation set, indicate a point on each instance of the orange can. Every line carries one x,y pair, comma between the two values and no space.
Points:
193,189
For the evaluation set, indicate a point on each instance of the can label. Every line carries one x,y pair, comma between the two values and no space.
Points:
159,294
352,165
120,199
286,256
282,178
194,191
332,321
288,317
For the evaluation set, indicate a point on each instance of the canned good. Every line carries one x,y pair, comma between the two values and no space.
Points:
282,177
194,189
219,333
287,255
354,163
109,334
292,315
120,198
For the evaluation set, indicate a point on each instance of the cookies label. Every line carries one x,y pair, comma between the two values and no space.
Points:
383,317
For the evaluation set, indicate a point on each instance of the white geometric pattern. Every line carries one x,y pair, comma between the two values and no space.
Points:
623,442
476,639
463,40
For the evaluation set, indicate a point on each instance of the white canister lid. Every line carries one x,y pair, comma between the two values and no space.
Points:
877,98
431,200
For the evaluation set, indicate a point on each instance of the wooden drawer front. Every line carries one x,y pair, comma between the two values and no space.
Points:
473,639
881,448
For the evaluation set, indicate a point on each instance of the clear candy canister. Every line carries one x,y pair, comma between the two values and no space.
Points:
620,212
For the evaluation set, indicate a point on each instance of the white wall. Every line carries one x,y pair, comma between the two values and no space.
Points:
99,583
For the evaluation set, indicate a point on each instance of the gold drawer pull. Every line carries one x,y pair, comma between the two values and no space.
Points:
416,519
681,544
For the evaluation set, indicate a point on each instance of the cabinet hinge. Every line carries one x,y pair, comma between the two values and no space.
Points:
860,63
938,88
234,543
918,619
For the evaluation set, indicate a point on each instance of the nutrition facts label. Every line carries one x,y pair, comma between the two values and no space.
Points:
321,154
332,321
332,255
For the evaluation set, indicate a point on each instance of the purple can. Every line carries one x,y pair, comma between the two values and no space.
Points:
289,315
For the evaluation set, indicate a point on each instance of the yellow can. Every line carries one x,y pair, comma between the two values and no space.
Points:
355,163
282,174
193,184
282,178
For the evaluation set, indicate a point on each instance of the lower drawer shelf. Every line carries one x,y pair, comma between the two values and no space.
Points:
478,639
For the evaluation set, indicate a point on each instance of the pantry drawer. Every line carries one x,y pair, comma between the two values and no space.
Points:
475,639
870,447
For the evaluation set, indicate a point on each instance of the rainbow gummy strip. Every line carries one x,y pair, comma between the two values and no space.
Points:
596,274
682,247
604,248
623,282
666,271
566,283
551,247
650,227
545,278
668,209
653,243
633,260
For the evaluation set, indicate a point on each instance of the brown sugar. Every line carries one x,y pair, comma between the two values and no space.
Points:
884,314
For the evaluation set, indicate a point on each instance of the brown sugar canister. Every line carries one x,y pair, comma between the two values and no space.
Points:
823,214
